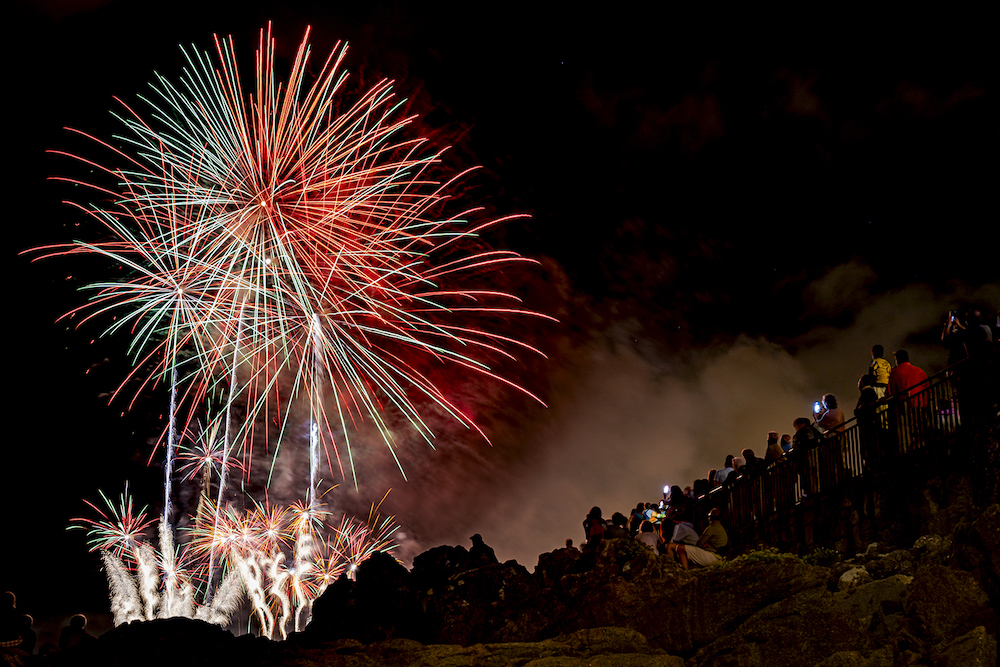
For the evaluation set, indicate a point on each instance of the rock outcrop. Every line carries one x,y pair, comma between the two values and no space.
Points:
621,604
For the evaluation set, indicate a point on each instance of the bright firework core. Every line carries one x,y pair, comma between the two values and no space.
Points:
287,257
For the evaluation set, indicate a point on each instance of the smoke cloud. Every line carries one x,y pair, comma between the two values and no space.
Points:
625,418
628,422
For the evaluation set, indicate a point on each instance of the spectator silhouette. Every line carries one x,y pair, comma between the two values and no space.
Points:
28,636
594,527
832,418
806,438
75,634
867,400
617,529
647,535
681,532
880,369
638,514
727,469
751,465
905,377
774,450
738,464
10,622
481,553
976,390
867,414
677,502
706,551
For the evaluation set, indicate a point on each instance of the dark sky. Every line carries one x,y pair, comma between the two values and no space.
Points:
729,210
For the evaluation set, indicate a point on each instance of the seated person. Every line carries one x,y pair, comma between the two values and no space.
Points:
683,533
706,551
647,535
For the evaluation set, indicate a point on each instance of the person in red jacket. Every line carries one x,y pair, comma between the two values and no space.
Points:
904,376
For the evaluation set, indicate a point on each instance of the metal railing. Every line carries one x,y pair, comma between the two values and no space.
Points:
929,415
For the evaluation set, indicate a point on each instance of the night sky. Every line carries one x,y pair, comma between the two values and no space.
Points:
728,211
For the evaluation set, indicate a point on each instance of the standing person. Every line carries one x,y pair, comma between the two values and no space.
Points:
706,551
832,417
880,370
909,381
638,516
807,437
975,384
751,464
774,450
866,413
482,553
952,336
738,463
727,469
594,527
906,376
867,401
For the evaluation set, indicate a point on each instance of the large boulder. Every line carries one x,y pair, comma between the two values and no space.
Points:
493,603
798,631
169,641
554,565
435,566
976,548
377,605
976,648
878,605
678,610
944,603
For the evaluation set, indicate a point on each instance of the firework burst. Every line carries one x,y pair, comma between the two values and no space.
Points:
120,530
282,248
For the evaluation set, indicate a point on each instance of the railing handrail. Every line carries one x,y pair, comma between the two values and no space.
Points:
850,451
930,381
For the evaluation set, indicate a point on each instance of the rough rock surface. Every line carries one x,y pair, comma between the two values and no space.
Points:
621,604
618,605
977,549
945,602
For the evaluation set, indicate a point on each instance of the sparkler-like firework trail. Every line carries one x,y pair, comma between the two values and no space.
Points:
271,235
146,583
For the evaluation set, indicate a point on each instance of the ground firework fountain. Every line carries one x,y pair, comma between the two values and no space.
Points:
279,247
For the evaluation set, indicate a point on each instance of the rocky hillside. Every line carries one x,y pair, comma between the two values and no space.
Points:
932,603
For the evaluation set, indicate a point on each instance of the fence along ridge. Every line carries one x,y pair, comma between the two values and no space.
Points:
923,417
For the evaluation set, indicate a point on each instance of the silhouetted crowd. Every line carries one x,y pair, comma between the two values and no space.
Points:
17,636
679,526
675,526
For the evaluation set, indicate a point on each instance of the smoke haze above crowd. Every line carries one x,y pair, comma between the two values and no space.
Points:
727,215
